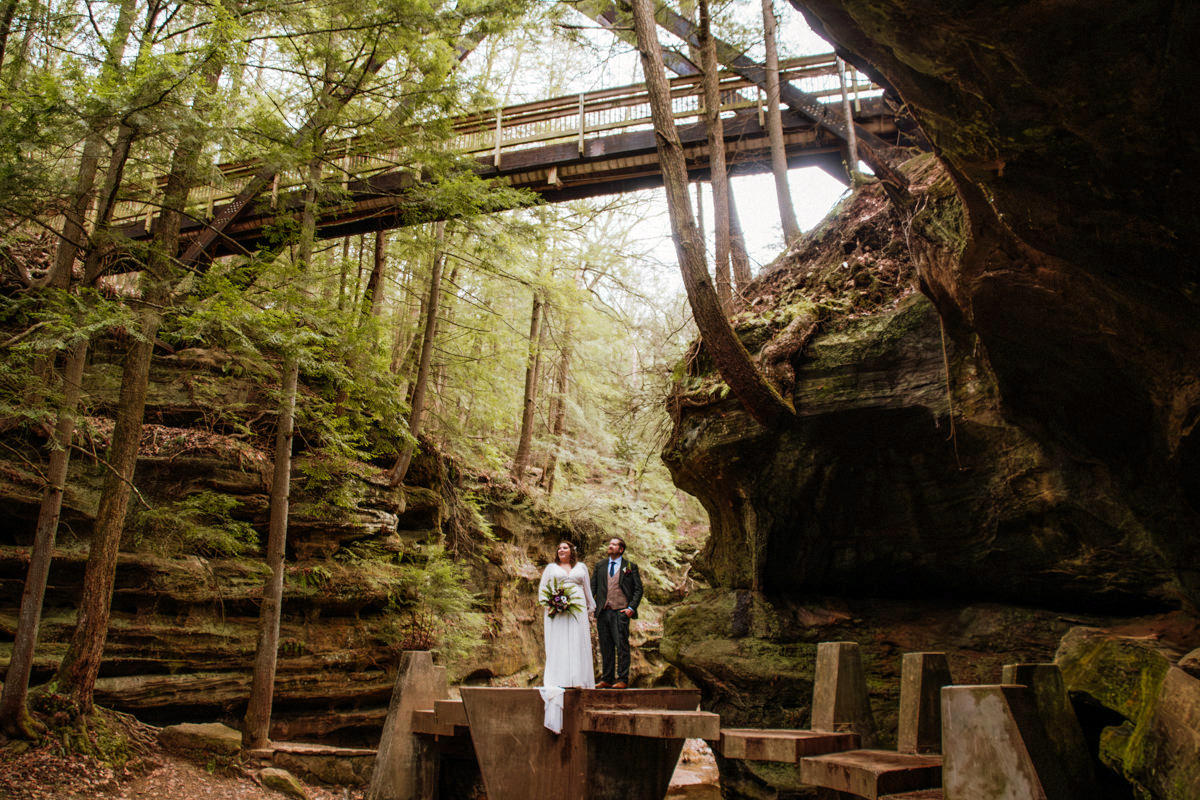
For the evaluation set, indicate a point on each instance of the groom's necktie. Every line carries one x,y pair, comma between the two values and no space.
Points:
612,568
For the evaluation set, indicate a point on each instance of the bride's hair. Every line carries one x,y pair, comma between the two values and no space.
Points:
574,553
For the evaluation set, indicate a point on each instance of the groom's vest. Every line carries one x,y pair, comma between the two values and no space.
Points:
614,597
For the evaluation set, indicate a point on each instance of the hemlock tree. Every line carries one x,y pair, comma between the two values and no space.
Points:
760,398
407,32
779,166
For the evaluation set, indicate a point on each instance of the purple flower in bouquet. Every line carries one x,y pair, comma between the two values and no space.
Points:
560,598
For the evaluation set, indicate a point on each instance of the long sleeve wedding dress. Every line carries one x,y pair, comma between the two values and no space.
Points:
568,641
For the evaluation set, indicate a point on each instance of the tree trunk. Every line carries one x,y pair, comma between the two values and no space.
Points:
737,245
402,347
558,412
761,400
848,113
81,665
779,167
448,309
532,365
257,724
372,300
14,712
74,230
400,469
343,273
7,11
716,148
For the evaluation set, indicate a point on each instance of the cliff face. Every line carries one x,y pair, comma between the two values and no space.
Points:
1063,128
366,575
876,487
906,506
997,416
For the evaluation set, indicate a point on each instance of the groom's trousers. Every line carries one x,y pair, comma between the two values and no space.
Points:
612,628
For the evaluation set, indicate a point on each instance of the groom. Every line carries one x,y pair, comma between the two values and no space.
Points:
617,587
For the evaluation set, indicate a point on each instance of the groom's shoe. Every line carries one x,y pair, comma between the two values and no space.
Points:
603,685
620,685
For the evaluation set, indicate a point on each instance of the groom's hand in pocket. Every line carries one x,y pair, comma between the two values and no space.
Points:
628,612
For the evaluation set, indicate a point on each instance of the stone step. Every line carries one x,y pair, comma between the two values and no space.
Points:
342,766
777,744
654,724
872,773
920,794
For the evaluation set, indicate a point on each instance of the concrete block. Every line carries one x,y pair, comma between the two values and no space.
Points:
406,767
840,692
1059,720
872,773
654,724
922,676
788,746
995,747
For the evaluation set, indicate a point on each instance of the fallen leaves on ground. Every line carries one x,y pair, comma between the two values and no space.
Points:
46,773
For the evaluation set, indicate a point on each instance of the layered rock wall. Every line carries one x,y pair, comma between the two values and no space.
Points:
189,579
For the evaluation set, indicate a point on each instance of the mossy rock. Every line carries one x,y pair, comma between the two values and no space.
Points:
1157,747
212,737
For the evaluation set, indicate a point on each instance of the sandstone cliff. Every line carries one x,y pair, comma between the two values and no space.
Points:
905,507
366,574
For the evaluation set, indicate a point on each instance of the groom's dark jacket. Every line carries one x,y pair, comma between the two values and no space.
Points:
631,584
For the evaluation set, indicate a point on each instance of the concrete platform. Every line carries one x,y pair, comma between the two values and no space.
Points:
872,773
789,746
521,760
654,724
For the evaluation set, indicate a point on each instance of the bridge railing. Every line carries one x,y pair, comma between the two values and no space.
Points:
571,118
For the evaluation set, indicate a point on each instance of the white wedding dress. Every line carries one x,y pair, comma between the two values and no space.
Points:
568,642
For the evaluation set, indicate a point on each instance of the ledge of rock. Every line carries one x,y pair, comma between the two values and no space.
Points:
1152,736
211,737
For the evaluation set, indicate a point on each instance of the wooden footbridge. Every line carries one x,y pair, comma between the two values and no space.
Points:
564,148
1018,739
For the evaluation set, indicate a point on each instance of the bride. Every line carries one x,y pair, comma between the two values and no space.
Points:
568,634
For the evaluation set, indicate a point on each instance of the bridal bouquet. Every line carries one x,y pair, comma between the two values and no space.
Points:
560,598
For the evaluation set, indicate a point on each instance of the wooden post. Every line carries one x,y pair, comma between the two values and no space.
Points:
406,767
499,135
582,123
